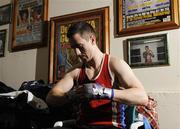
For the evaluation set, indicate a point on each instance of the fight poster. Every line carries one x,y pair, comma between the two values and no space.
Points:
66,57
29,21
62,56
145,12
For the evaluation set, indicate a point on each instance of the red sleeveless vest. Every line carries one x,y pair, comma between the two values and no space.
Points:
101,112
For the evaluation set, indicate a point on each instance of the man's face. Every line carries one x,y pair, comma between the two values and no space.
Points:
82,47
146,48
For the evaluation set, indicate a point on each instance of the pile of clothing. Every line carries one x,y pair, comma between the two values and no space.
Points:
26,108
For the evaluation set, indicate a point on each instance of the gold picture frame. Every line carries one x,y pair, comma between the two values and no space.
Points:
29,24
62,56
138,17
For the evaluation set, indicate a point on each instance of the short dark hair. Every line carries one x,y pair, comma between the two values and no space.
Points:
81,28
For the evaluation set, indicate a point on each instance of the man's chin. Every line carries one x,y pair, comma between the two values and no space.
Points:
82,60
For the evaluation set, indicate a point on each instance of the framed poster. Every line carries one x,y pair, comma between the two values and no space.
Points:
62,56
28,24
147,51
5,14
2,42
143,16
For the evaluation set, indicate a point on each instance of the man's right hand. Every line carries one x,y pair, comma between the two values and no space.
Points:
90,91
72,96
78,95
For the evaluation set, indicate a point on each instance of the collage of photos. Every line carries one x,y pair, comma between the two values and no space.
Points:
148,51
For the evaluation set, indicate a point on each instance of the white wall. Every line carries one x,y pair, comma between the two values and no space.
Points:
19,66
160,82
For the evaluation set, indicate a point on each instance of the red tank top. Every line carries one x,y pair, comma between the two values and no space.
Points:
101,112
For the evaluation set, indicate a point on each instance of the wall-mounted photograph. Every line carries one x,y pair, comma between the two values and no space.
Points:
147,51
2,42
143,16
62,56
28,24
5,14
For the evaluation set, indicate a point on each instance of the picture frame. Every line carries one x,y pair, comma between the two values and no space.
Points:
147,51
5,14
29,24
139,17
3,34
62,56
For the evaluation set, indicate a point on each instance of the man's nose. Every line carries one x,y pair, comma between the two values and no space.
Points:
77,51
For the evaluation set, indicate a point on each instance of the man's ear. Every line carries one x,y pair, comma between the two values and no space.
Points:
93,39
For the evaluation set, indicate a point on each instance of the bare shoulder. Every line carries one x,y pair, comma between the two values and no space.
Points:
117,63
114,59
124,72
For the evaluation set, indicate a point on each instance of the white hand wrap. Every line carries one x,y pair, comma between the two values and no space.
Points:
96,91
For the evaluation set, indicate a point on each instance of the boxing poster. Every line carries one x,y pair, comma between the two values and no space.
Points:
145,12
66,57
29,21
62,56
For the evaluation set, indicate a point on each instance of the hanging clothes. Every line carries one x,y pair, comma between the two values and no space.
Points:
150,112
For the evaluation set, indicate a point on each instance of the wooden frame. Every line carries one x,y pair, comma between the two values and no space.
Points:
62,56
5,14
151,17
28,24
3,40
147,51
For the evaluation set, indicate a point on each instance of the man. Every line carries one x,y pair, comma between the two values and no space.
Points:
93,83
148,55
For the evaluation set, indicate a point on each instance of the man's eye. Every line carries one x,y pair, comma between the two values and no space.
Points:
74,46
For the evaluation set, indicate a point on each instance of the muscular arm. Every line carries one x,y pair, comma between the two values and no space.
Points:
133,92
57,95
